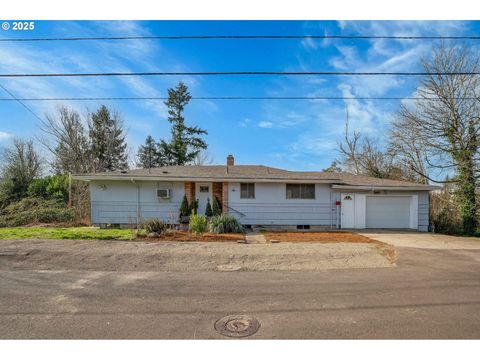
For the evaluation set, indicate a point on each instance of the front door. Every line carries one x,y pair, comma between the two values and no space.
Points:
204,192
348,211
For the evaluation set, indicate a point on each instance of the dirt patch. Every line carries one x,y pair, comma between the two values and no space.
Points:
331,237
189,236
106,255
324,237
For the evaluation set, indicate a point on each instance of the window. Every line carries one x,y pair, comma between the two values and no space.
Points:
247,191
303,227
204,189
300,191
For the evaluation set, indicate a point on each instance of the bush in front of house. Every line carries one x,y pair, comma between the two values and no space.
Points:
184,211
154,226
35,210
184,208
198,223
223,224
193,207
216,208
208,209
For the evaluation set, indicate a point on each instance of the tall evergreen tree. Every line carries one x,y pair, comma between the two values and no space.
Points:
148,155
186,142
109,149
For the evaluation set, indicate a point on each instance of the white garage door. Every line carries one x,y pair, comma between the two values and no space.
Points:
388,212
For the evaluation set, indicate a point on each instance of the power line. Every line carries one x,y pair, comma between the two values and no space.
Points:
14,98
205,37
230,98
242,73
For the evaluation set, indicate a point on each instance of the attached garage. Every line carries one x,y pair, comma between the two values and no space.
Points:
388,212
382,211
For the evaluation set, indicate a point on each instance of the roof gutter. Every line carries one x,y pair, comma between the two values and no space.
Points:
396,188
334,182
205,179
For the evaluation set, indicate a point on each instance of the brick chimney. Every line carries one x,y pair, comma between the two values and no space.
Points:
230,160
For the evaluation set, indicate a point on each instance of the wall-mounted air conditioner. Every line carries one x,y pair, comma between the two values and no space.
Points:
163,193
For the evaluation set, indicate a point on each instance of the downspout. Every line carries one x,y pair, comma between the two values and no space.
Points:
338,211
138,201
331,210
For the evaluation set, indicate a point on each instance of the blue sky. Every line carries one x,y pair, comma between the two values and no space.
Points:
291,134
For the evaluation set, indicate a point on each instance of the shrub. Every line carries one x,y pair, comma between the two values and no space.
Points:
208,209
155,226
198,223
53,215
35,210
216,209
193,207
222,224
184,208
444,212
50,187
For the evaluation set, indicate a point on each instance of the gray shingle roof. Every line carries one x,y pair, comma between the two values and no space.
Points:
249,172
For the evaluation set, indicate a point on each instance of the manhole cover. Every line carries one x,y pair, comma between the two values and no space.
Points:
237,325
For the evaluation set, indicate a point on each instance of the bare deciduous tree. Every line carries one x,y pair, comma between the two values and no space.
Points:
442,129
363,155
409,151
350,148
67,141
203,158
21,164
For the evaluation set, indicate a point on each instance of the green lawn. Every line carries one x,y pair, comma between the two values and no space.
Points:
76,233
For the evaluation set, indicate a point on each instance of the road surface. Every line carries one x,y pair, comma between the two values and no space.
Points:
431,293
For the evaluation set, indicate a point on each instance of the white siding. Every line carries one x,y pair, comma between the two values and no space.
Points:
271,207
116,202
360,208
423,210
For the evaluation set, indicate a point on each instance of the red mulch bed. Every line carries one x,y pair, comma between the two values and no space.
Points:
320,236
189,236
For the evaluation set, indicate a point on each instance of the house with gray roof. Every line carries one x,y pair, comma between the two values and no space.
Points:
259,196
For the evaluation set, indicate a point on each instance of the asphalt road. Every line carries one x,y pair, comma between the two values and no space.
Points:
430,294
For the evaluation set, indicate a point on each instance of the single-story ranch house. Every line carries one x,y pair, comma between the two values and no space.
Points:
259,195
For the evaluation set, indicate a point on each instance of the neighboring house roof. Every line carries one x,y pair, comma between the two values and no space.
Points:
258,173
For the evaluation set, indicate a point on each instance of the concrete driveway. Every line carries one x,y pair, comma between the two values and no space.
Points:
431,293
421,240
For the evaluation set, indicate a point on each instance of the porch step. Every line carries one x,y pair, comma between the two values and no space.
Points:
255,238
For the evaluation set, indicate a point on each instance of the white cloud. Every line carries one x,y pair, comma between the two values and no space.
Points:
313,144
316,80
310,44
265,124
245,122
5,135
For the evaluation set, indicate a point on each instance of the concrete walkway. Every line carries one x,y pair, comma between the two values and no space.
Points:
422,240
255,238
